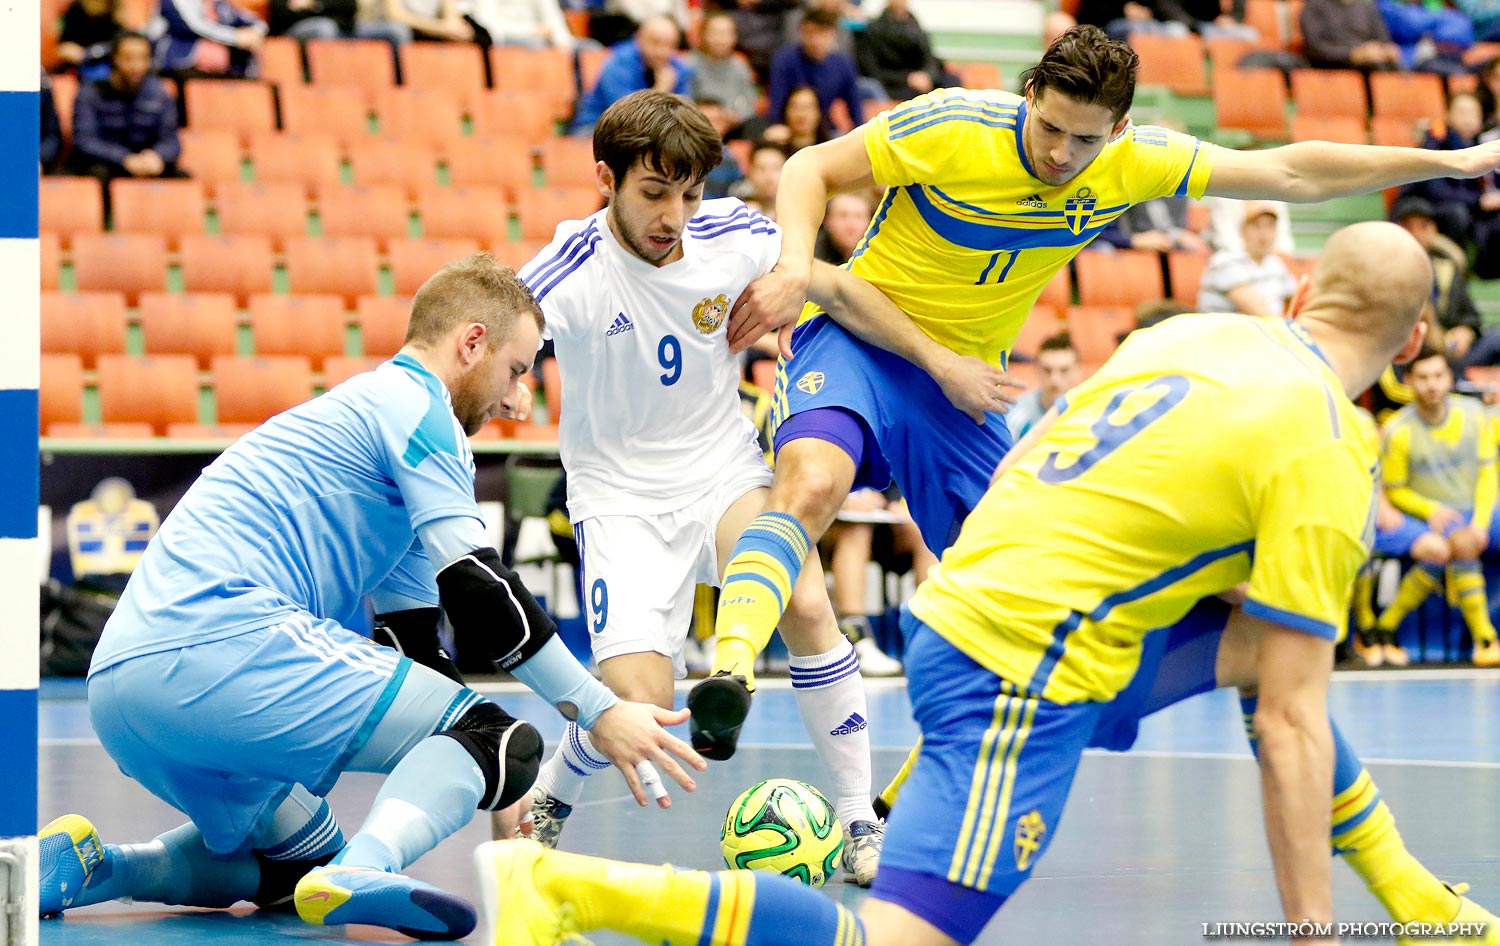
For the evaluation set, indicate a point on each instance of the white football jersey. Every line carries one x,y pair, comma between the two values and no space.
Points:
651,411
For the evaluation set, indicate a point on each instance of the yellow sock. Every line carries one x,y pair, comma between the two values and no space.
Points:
889,793
1466,591
1364,832
757,587
1415,587
1364,593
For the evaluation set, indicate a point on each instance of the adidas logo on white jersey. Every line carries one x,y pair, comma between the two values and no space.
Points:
850,726
621,325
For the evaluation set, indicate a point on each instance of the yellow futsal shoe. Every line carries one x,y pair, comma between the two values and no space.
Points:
1469,914
335,895
70,853
1487,655
513,911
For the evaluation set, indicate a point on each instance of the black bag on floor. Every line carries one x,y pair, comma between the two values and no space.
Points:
72,619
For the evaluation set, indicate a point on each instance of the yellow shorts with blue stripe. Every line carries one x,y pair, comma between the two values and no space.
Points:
987,792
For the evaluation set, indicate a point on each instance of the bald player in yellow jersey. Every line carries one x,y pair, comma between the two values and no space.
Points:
1211,451
988,195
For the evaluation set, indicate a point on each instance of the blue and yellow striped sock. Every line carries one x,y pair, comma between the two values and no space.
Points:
1420,581
1364,834
757,588
660,905
1466,592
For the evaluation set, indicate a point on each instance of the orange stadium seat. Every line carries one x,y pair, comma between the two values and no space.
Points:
309,161
1294,26
478,213
1300,265
1044,322
365,64
568,162
1124,277
763,372
157,390
281,61
340,369
87,324
61,390
278,211
1465,82
1172,61
382,324
1185,270
516,255
252,390
244,108
410,165
1095,330
1022,373
1252,100
546,73
239,264
131,263
346,266
1395,132
312,325
541,210
51,252
203,325
211,157
1265,16
978,75
1409,95
541,433
524,116
171,208
490,162
334,110
427,115
455,69
412,261
208,431
1330,92
379,211
590,65
552,389
131,431
1224,53
1337,128
70,205
1059,289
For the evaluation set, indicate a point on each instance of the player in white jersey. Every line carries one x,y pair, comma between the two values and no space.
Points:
227,684
664,470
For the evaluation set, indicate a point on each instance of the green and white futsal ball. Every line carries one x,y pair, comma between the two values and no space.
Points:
784,826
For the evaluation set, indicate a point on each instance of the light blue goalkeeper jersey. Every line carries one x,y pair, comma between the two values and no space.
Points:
308,514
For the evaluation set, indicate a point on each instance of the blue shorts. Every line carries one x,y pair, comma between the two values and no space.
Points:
222,731
1397,542
984,799
941,459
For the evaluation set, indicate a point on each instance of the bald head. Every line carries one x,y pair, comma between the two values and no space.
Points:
658,41
1370,283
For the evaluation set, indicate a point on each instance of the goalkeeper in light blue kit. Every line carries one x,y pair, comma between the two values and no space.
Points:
228,684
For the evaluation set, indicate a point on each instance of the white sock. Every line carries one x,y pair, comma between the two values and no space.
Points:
831,698
575,759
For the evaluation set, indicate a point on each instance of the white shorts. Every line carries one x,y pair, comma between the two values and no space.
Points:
639,572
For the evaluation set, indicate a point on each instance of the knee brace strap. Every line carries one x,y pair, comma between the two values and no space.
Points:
507,750
483,597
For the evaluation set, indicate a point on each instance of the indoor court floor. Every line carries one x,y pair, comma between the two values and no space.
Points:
1154,844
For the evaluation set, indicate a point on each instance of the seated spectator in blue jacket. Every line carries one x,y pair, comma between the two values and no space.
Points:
1459,204
51,137
213,38
88,29
814,61
1430,39
126,125
650,61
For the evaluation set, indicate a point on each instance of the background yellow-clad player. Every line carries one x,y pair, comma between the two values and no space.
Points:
1210,451
988,195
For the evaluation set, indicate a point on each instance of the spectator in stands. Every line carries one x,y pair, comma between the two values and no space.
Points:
895,50
1254,281
126,125
1485,15
1431,39
1211,18
1439,468
844,225
804,124
402,21
50,143
1488,89
851,545
720,74
649,61
761,25
1056,23
758,189
729,173
614,21
814,61
1347,34
1455,308
1056,374
1459,204
1160,225
1226,219
212,38
88,29
848,17
330,19
1118,18
532,23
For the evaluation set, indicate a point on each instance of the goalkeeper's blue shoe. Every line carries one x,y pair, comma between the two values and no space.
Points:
334,895
70,852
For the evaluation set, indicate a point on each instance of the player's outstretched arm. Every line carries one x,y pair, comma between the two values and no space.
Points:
631,733
808,179
1296,764
1311,171
972,384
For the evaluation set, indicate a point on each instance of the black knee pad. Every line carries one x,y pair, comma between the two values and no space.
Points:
507,750
278,881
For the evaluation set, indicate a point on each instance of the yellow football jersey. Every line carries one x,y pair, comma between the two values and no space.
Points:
1450,464
1210,450
966,238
